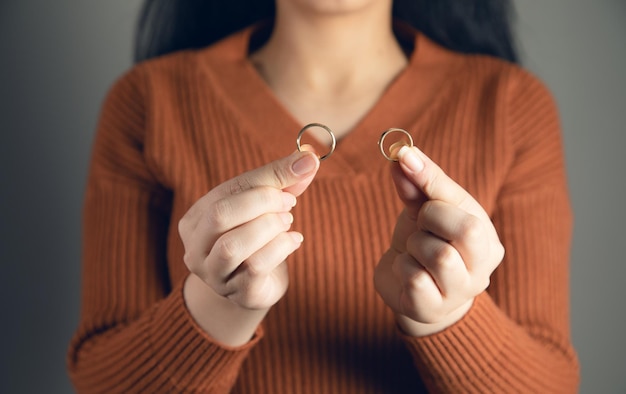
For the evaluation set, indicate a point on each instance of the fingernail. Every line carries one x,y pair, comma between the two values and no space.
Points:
289,200
410,159
297,237
304,165
286,217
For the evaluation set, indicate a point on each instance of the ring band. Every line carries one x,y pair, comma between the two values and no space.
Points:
381,141
328,130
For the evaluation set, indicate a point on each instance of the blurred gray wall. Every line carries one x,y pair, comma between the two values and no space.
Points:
579,48
57,59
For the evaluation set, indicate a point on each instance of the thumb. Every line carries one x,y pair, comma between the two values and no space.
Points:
305,167
292,174
422,179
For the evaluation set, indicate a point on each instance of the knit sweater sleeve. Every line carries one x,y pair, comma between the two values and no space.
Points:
516,336
135,333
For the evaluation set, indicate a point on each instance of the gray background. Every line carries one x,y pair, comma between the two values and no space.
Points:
58,58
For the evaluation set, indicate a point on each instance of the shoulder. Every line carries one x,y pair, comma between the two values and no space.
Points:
490,72
513,92
523,106
515,82
179,68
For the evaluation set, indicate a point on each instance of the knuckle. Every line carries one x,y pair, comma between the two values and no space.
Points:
219,213
238,185
431,183
256,297
273,224
471,229
280,175
417,282
267,196
227,248
426,210
189,261
443,256
251,269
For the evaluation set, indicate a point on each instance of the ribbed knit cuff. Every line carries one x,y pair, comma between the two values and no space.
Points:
192,359
461,355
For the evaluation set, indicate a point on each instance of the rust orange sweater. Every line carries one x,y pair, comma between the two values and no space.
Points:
174,127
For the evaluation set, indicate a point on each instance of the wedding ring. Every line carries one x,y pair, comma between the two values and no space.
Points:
328,130
394,147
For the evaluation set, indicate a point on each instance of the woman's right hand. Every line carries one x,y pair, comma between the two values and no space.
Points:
236,240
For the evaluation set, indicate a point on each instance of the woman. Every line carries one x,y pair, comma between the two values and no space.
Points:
202,274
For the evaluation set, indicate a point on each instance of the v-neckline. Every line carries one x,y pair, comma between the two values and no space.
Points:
274,127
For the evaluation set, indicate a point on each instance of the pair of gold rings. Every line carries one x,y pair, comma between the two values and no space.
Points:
389,151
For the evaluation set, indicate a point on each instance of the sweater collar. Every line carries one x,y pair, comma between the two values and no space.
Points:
416,89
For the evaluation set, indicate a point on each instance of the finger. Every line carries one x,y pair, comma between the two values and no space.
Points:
409,193
237,245
441,260
420,297
405,226
265,260
433,182
262,278
233,211
200,231
386,283
299,167
258,293
465,233
292,173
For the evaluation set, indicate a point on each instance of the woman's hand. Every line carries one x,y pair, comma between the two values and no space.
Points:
236,240
443,251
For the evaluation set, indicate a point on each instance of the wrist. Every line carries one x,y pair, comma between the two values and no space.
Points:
414,328
222,319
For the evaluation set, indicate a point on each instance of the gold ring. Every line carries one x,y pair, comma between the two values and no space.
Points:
332,136
392,156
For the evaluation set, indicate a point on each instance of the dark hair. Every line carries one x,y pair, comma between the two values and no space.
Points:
468,26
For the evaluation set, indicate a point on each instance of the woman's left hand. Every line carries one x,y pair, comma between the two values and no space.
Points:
444,249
